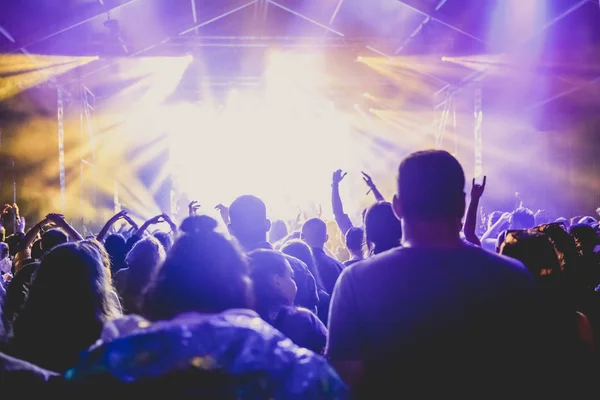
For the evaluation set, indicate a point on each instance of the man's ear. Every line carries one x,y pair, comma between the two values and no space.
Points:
267,225
230,229
397,207
326,238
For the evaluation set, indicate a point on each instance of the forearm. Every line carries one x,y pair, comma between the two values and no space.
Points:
336,200
471,222
105,229
71,232
493,232
24,251
140,232
377,194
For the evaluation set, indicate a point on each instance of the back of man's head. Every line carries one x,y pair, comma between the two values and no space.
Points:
522,218
53,238
355,237
430,187
314,232
248,218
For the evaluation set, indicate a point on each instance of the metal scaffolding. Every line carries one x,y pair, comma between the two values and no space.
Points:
478,133
60,118
87,164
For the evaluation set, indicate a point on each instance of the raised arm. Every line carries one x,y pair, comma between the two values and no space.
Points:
495,229
106,228
24,251
193,208
372,187
60,221
341,218
152,221
471,218
170,222
224,211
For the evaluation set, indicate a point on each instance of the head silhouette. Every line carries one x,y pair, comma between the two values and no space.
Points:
53,238
203,272
314,233
248,221
430,187
355,238
383,231
272,280
430,198
522,218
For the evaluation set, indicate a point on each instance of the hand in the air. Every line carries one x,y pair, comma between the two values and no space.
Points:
338,176
477,190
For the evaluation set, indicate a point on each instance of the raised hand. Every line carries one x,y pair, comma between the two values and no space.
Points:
15,207
157,220
338,176
21,224
477,190
505,217
119,215
193,208
368,180
224,211
131,222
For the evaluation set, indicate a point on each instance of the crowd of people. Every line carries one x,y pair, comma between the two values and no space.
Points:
424,297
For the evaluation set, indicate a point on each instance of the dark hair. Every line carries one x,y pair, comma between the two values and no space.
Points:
314,229
538,254
164,239
383,231
14,243
301,251
144,261
203,272
53,238
116,247
265,264
431,186
36,250
355,238
585,237
522,218
69,301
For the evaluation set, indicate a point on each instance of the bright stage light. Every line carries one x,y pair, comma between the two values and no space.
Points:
282,154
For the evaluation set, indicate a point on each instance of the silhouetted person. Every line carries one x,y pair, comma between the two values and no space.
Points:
314,233
249,225
435,314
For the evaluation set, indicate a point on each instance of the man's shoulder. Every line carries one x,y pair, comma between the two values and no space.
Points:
395,256
466,255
